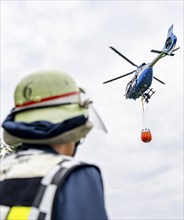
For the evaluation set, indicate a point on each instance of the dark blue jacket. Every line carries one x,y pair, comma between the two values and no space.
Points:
82,196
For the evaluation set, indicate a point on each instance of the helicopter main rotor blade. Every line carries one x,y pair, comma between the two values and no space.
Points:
123,56
118,77
158,80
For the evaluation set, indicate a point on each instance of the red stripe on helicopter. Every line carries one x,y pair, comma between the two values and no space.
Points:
49,98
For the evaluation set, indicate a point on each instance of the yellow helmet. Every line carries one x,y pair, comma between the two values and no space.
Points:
52,97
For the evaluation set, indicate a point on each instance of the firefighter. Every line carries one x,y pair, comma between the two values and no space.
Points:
41,179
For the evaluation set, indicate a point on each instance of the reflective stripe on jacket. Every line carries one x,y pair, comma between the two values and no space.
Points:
29,193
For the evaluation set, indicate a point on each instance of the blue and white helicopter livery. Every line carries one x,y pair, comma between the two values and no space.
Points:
142,80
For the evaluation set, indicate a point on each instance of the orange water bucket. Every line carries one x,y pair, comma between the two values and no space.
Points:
146,136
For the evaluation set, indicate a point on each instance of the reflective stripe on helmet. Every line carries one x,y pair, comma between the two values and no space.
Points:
68,98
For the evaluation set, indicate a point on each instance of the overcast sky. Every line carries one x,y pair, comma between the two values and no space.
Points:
141,181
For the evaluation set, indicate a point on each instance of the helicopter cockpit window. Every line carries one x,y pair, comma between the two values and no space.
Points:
128,87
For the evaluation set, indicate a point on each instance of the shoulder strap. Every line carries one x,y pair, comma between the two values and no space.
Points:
42,207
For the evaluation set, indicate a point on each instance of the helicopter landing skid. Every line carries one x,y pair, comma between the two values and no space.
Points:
147,95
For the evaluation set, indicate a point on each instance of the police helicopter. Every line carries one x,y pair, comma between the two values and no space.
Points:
139,86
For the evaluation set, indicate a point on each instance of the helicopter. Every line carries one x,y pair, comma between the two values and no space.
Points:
143,75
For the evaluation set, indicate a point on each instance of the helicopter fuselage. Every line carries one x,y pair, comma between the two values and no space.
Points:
140,82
